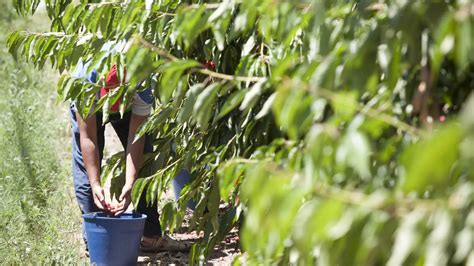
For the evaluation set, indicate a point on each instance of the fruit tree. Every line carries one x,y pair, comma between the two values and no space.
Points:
336,132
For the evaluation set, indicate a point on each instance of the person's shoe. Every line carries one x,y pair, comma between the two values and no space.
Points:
84,253
86,249
164,243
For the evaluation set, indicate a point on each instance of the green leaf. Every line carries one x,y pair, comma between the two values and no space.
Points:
345,104
172,74
204,105
293,111
152,191
153,122
232,102
354,150
407,238
315,219
190,24
94,20
428,163
61,84
248,46
252,97
140,62
167,215
137,190
229,175
267,107
213,205
189,102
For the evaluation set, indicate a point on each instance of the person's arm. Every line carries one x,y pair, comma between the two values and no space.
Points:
134,156
90,155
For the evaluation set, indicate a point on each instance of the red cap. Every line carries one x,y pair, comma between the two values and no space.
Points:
111,82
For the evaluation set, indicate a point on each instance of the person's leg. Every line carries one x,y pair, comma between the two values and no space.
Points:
153,238
82,187
179,182
152,222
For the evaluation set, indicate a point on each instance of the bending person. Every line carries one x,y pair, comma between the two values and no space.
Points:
87,152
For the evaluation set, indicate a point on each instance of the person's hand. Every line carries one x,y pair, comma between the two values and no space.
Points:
123,201
99,197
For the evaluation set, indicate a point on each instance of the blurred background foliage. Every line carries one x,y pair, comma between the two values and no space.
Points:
336,132
39,222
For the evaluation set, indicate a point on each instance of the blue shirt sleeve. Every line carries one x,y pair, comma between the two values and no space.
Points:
80,72
147,96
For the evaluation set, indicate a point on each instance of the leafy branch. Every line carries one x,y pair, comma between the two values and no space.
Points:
208,72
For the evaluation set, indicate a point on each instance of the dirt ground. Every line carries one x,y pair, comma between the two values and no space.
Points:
223,254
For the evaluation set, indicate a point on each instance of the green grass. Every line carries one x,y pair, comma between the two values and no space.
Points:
39,218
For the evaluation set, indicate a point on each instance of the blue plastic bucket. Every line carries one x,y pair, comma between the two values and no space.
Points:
114,240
